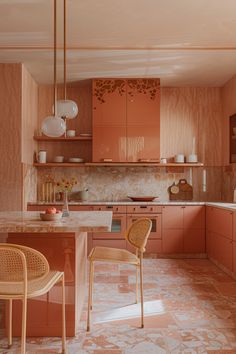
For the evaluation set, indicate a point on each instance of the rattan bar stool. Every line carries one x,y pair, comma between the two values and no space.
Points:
25,274
137,236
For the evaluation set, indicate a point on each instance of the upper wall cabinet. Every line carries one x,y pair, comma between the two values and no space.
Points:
126,120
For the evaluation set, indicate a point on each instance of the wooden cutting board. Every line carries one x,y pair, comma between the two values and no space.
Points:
181,191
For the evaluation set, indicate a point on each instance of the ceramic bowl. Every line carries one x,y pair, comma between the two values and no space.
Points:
50,217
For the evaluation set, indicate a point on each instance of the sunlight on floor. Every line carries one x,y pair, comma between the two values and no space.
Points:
131,311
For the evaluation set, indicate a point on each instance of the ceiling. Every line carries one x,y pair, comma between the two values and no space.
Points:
184,42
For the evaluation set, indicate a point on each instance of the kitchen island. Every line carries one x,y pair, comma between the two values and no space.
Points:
64,244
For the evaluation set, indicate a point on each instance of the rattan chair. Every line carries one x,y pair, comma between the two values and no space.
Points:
25,274
137,236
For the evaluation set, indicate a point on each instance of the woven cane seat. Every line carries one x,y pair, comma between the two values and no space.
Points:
115,255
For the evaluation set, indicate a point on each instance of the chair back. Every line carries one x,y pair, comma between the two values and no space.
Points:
138,233
13,260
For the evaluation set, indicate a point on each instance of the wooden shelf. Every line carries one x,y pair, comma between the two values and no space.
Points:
116,164
59,164
144,164
74,138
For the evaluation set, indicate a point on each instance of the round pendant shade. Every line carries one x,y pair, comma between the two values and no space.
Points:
67,108
53,127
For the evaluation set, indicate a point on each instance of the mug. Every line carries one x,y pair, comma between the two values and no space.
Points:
42,156
192,158
179,158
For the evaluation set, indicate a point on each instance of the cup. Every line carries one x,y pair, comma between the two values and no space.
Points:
192,158
163,160
58,159
179,158
42,156
70,133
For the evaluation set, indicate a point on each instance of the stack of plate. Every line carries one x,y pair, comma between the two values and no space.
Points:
75,160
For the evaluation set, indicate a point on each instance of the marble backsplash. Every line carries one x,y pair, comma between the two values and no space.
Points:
115,183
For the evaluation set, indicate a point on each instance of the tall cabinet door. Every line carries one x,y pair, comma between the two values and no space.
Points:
109,120
143,119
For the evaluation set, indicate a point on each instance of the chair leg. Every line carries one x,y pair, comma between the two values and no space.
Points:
92,276
90,294
141,289
24,316
63,317
136,284
10,325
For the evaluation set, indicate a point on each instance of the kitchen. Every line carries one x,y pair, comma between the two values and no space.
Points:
193,72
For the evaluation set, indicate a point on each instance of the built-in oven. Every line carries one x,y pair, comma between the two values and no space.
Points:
154,244
115,238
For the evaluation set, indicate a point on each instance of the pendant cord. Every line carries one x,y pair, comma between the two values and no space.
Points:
64,49
55,58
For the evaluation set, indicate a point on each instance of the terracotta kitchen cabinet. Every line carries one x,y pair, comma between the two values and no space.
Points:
220,221
143,119
126,119
234,258
172,241
183,229
172,217
194,229
219,225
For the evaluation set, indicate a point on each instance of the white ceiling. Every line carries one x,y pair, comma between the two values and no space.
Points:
184,42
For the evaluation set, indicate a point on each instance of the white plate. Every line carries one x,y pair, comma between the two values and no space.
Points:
75,160
86,134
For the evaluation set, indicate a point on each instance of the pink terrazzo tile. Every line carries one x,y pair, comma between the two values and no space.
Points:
190,307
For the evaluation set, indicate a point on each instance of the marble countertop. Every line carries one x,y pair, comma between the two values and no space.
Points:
224,205
29,221
123,202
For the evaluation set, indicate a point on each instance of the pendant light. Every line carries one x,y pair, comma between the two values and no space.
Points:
54,126
66,108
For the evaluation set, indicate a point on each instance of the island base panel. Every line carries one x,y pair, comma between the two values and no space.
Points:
65,252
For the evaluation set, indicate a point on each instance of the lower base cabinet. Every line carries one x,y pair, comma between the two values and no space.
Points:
222,250
172,241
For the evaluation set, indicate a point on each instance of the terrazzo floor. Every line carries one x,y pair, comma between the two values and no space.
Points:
190,307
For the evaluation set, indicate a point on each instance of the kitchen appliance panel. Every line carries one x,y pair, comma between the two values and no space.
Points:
156,223
118,229
115,208
140,209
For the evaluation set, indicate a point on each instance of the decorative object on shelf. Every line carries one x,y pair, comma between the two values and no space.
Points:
54,126
58,159
179,158
66,109
181,191
75,160
42,156
70,133
192,158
